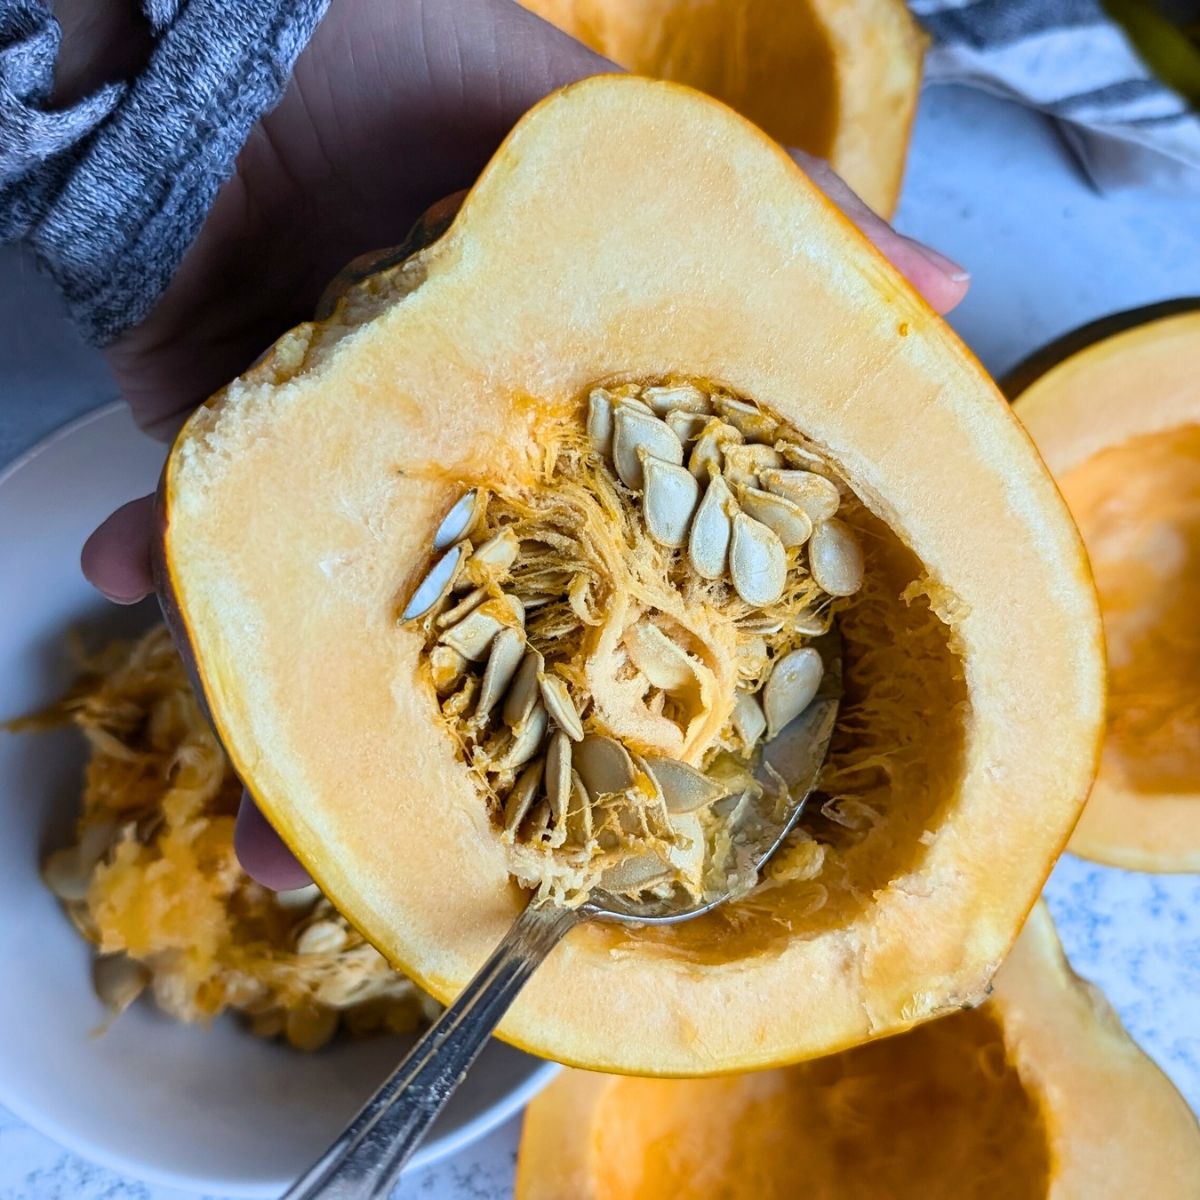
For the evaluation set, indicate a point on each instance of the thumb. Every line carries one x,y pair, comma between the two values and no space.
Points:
940,280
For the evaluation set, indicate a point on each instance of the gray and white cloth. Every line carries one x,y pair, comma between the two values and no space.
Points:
111,192
1071,61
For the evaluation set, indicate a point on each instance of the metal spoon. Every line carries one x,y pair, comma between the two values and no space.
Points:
365,1160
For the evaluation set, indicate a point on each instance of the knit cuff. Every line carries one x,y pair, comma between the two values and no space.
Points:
112,192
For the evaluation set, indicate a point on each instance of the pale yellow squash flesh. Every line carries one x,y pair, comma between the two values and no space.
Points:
836,78
635,228
1038,1095
1118,423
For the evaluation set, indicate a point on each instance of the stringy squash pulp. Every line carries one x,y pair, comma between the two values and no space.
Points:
152,880
300,511
1115,409
1037,1095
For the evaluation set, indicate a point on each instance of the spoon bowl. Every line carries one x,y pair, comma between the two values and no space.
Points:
366,1159
794,756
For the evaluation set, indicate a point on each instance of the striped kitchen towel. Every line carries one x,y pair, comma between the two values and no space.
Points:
1067,58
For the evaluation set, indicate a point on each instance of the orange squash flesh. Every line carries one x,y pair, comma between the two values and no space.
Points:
638,229
837,78
1118,420
1037,1095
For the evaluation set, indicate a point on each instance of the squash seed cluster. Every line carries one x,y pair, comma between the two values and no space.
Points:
611,646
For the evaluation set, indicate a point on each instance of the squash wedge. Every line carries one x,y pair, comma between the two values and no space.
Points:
631,234
1039,1093
836,78
1115,410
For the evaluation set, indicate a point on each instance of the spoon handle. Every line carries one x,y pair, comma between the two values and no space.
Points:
366,1159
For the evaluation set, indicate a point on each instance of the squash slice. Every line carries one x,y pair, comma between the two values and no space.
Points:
1038,1094
1115,410
837,78
633,234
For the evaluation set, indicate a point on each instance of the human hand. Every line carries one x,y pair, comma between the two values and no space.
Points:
391,106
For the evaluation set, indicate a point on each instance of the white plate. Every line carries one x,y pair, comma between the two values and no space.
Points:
209,1110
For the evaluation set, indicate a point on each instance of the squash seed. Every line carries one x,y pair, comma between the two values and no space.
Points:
749,721
835,558
708,545
708,452
65,874
558,786
525,742
539,821
600,421
748,419
634,874
472,637
457,703
498,553
321,937
557,699
447,667
465,511
811,624
310,1026
604,765
683,788
804,459
520,799
296,900
580,826
794,681
743,463
436,585
473,599
792,524
634,431
757,561
663,662
523,694
678,396
671,495
818,496
505,657
686,426
118,980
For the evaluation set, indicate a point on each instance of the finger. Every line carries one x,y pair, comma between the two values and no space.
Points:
116,558
941,281
262,852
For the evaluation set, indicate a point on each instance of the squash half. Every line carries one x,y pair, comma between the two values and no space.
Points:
1115,410
636,229
837,78
1038,1095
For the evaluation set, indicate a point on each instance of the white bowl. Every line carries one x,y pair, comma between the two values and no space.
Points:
211,1110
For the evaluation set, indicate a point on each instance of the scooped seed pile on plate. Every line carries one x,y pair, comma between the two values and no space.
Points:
153,882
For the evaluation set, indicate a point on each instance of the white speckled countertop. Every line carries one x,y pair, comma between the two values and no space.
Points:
992,186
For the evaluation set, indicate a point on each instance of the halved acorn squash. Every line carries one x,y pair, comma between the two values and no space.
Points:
838,78
636,247
1115,410
1037,1095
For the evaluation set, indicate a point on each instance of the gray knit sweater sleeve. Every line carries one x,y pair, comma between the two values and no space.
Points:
110,192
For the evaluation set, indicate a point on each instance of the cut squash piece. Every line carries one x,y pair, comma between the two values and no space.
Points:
1115,410
361,533
1037,1095
837,78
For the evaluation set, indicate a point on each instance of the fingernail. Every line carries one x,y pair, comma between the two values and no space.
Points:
953,271
115,599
